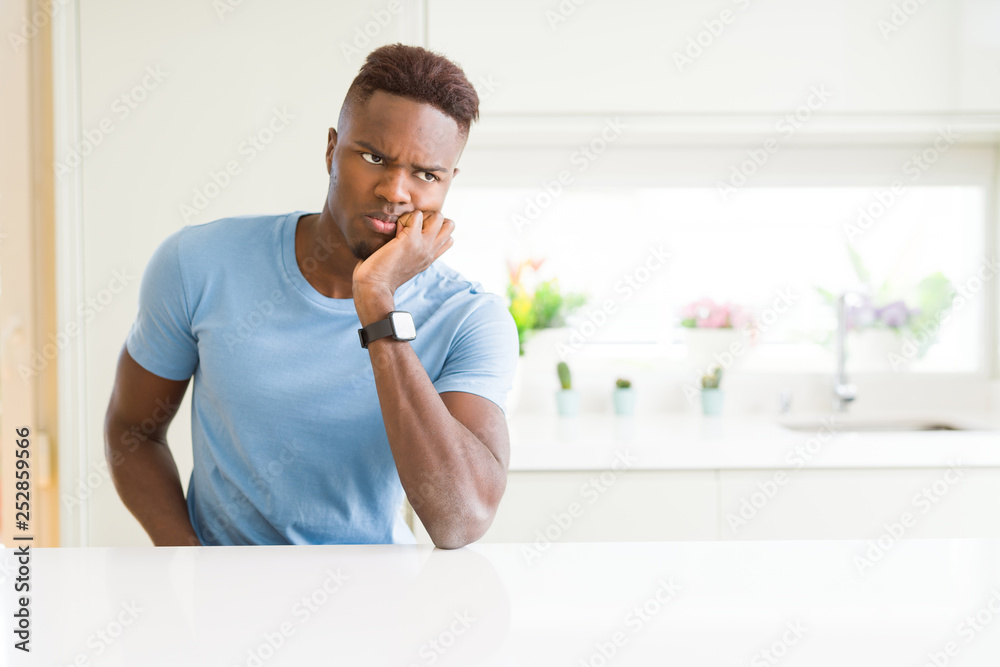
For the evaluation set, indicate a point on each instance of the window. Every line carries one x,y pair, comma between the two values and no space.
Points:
781,237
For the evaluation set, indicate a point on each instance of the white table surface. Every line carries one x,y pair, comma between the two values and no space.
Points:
498,604
544,442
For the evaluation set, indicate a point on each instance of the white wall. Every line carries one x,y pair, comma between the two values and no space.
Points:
223,79
225,75
614,57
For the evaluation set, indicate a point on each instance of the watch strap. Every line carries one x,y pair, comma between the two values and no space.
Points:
374,331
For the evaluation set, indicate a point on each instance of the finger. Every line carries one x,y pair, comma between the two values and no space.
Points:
432,223
412,219
418,219
447,227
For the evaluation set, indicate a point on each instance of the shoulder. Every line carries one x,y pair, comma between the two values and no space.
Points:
234,233
442,284
465,304
238,251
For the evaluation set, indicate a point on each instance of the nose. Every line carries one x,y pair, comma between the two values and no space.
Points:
392,186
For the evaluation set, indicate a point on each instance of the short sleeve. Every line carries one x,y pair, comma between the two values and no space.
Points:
484,353
161,339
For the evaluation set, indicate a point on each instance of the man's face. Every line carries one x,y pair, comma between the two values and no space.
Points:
393,156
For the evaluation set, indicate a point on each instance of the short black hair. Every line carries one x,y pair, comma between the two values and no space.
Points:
418,74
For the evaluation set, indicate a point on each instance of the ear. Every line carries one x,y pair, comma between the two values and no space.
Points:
331,143
454,173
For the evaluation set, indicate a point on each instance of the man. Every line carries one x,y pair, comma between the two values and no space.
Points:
314,406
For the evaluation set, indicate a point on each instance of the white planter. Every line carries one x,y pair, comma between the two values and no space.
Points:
707,347
868,350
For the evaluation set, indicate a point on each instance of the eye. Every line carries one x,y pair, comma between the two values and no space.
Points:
432,177
373,156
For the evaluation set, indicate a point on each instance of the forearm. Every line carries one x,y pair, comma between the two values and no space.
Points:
452,480
146,477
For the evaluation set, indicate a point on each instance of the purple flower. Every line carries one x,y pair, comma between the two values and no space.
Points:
860,317
893,314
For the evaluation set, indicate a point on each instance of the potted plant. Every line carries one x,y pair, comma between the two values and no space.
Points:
712,328
624,397
567,398
890,316
535,304
711,395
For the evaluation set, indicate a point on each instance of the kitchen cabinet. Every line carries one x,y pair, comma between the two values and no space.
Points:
630,505
741,479
646,57
746,505
596,506
860,504
643,505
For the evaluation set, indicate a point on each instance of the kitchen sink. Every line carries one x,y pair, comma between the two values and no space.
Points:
851,424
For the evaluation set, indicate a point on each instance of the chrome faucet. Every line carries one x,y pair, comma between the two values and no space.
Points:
843,392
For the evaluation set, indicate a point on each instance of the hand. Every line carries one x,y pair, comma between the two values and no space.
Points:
420,239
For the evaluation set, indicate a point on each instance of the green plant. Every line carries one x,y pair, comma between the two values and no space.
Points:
543,307
889,306
623,383
712,381
562,368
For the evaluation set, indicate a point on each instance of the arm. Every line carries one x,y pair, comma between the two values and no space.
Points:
135,444
451,449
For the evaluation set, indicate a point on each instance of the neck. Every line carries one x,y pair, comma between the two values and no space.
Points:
324,258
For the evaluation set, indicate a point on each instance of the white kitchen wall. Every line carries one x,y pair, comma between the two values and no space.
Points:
577,56
170,93
197,84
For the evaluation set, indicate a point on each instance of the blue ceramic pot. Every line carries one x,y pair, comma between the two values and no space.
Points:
624,401
568,402
711,401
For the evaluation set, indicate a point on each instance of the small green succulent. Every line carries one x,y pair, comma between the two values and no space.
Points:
564,377
712,381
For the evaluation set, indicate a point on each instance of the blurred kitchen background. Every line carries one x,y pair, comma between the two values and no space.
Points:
800,195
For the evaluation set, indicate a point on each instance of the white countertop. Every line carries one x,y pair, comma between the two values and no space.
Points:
544,442
680,603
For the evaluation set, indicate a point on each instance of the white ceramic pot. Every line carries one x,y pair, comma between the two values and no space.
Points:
869,350
707,346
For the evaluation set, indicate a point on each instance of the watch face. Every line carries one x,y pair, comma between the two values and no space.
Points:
402,325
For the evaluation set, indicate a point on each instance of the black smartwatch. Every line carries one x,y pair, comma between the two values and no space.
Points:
398,324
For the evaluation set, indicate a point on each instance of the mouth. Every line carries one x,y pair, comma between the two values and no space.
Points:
382,223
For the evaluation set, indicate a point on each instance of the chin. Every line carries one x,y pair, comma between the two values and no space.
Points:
365,249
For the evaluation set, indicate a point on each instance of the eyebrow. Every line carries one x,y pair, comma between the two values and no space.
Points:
365,144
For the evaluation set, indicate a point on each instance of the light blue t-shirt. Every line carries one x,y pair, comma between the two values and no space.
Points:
289,442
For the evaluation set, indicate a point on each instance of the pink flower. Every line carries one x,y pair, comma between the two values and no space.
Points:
516,269
698,310
707,314
715,318
513,271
